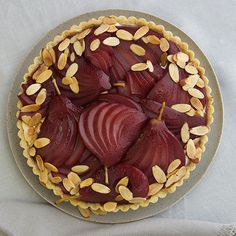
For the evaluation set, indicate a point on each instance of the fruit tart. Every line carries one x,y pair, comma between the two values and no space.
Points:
114,114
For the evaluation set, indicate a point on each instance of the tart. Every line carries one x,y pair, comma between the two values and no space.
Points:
114,114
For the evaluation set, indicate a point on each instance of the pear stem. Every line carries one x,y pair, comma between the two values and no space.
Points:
106,175
56,86
161,111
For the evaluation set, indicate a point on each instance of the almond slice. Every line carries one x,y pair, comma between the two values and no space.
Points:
154,188
191,112
39,162
124,34
164,45
56,179
164,58
86,182
64,44
44,76
199,130
110,206
150,66
182,57
67,184
43,177
84,212
125,193
181,64
196,93
183,108
47,57
111,41
78,48
101,29
32,152
67,80
83,34
80,169
176,177
32,89
153,39
71,71
94,45
41,97
119,198
173,166
72,57
139,67
41,142
112,29
145,40
119,84
191,149
184,132
158,174
40,70
137,200
170,58
174,72
200,83
196,103
30,108
138,50
100,188
51,167
191,69
62,61
124,182
53,55
141,32
74,178
74,86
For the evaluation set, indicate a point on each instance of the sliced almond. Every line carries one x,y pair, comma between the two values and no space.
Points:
181,64
154,188
101,29
94,45
56,86
181,107
191,149
41,97
39,162
74,178
191,69
100,188
174,72
173,166
67,52
176,177
56,179
199,130
84,212
200,113
78,48
64,44
196,93
196,103
125,193
32,152
124,35
41,142
62,61
67,184
198,153
110,206
86,182
71,71
150,66
137,200
30,108
83,44
84,33
182,57
119,84
124,181
158,174
153,39
43,177
138,50
51,167
139,67
72,57
141,32
111,41
73,39
74,190
164,45
74,86
163,58
200,83
40,70
119,198
44,76
67,80
145,40
47,57
80,169
184,132
191,112
32,89
170,58
26,119
112,29
53,55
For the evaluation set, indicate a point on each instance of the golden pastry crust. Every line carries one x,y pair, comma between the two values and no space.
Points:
98,208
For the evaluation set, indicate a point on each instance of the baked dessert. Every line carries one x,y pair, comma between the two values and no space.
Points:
114,114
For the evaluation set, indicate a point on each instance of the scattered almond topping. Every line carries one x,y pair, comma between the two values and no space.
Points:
51,167
196,93
74,86
138,50
170,58
191,69
101,29
164,58
191,149
47,57
74,190
185,135
124,181
40,70
189,82
53,55
199,130
111,41
30,108
64,44
141,32
78,48
82,44
182,57
174,72
67,80
154,188
125,193
67,184
112,29
198,153
181,107
124,34
80,169
139,67
196,103
72,57
150,66
119,84
137,200
86,182
41,97
164,45
158,174
94,45
39,162
200,83
67,52
83,34
181,64
200,113
62,61
110,206
100,188
71,71
191,112
56,86
74,178
26,119
145,40
43,177
153,39
56,179
44,76
84,212
32,89
41,142
119,198
173,166
176,177
73,39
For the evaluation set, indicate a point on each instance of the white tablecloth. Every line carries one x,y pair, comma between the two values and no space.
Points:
212,24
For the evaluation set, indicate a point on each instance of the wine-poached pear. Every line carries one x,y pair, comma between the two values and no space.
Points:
156,146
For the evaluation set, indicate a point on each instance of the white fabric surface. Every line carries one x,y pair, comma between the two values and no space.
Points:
212,24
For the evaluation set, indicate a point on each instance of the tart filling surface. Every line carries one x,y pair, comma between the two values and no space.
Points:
113,114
